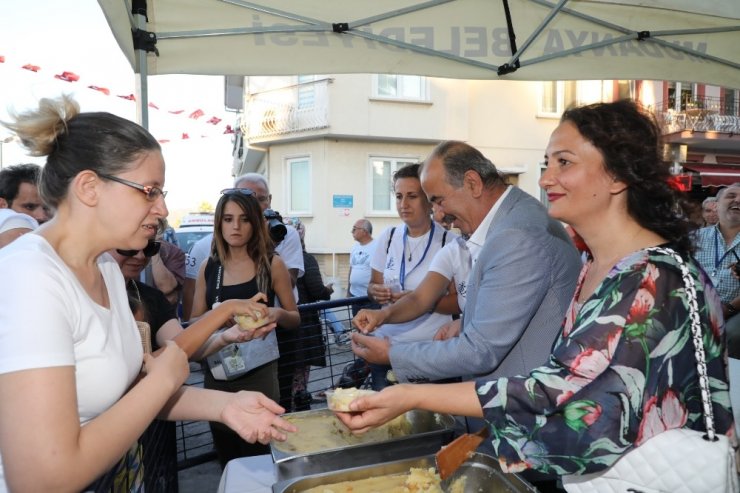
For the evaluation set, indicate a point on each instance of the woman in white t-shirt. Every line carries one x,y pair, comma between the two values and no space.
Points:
70,352
402,257
451,264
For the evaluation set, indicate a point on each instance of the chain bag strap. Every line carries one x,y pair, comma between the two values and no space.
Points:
701,363
676,460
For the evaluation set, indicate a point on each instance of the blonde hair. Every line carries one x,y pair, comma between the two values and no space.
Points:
75,141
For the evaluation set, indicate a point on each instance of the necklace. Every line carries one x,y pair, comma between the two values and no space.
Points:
412,249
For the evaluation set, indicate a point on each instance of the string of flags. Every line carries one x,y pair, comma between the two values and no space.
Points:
196,114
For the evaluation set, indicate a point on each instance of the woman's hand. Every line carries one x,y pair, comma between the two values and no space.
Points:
379,292
255,307
367,320
170,364
255,418
373,410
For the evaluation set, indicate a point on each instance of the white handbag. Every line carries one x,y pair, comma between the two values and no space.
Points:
675,461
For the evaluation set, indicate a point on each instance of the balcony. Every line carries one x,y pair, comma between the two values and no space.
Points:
706,114
283,111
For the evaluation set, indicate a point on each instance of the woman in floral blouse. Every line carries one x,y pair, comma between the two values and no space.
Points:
622,369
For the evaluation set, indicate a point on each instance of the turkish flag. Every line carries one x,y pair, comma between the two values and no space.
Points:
68,76
32,68
196,114
104,90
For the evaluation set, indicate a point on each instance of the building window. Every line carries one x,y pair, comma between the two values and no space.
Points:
555,97
299,183
381,181
306,92
680,94
401,87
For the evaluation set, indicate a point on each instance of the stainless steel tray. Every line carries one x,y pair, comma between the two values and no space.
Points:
429,432
482,475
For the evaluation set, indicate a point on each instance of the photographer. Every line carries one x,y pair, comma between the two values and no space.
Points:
716,251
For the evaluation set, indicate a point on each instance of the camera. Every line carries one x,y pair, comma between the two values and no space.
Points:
275,225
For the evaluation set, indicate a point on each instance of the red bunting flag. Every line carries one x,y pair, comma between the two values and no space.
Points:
228,130
214,120
196,114
152,105
185,136
104,90
176,112
163,141
31,67
2,59
130,97
68,76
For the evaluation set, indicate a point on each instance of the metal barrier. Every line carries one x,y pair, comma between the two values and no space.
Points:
194,442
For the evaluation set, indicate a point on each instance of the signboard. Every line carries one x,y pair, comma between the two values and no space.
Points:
342,201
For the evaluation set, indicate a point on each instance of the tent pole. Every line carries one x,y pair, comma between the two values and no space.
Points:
142,86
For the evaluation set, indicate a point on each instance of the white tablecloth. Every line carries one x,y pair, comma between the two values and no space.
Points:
248,475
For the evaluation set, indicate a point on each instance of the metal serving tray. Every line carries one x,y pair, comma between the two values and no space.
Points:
482,475
429,432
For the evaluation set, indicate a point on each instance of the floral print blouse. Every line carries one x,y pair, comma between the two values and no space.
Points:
621,371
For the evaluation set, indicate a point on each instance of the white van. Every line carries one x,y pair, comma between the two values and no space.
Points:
193,227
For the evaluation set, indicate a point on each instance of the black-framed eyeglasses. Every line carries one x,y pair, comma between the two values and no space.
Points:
152,193
150,250
355,228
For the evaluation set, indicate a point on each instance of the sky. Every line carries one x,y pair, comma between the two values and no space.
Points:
73,36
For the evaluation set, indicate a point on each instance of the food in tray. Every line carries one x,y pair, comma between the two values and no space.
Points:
323,431
418,480
248,323
339,399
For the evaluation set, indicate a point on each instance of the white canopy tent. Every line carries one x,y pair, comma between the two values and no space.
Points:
680,40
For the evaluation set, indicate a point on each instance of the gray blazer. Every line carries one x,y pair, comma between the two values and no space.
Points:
518,292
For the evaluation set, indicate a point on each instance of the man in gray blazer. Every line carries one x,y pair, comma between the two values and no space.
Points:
522,279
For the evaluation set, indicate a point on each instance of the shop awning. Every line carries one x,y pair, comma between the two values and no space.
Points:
713,175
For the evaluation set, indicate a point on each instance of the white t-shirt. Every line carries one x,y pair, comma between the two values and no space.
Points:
409,273
48,320
454,262
289,249
359,262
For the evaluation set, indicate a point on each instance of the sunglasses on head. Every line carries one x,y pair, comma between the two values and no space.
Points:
235,191
150,250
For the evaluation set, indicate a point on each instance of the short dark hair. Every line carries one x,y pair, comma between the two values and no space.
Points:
407,171
629,140
12,177
458,158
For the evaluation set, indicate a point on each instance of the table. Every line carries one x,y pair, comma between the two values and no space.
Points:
248,475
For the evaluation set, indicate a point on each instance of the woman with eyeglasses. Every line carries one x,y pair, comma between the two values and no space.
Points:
242,264
70,351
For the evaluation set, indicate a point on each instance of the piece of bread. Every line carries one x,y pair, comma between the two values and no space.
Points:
339,399
247,323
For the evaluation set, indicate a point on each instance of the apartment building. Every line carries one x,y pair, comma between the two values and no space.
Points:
330,144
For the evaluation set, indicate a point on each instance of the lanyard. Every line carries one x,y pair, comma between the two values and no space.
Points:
218,283
403,254
717,257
